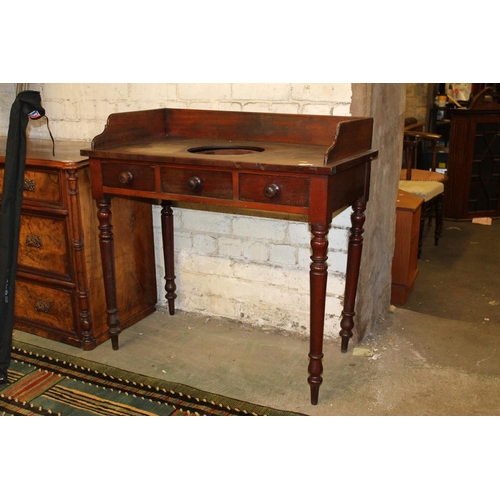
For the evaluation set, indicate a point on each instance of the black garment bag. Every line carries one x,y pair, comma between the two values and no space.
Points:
26,106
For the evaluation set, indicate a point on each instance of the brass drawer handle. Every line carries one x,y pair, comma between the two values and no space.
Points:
42,306
194,183
29,185
272,190
125,177
33,241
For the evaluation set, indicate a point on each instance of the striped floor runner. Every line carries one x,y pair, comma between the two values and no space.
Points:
43,382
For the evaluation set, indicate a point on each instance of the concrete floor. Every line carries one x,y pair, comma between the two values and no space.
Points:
423,363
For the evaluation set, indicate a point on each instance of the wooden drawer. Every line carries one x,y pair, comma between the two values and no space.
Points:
138,177
196,182
43,306
279,190
39,185
43,245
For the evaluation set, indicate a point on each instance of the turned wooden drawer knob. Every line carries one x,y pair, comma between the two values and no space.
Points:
125,177
194,182
272,190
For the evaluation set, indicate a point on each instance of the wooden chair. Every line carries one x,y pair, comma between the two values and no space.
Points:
428,184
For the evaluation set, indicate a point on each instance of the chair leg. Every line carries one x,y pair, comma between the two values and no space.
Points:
439,219
432,209
442,213
421,233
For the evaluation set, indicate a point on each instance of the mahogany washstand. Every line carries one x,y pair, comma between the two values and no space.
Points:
276,163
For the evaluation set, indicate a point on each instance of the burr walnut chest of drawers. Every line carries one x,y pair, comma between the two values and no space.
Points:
59,292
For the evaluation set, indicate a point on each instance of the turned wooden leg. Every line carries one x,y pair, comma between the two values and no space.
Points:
352,273
318,278
441,213
167,226
88,341
439,219
106,244
421,231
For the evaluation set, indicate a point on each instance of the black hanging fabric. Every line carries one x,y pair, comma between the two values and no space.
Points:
26,106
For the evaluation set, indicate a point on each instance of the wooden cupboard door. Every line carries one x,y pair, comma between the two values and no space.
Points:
473,187
484,189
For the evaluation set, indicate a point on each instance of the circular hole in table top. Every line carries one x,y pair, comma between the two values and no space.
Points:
225,150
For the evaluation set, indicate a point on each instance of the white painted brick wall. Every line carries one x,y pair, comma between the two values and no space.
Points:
223,270
247,268
7,96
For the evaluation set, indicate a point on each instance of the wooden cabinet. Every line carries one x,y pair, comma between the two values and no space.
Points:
59,292
404,263
473,187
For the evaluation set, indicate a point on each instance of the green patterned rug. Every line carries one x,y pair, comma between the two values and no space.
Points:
45,382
